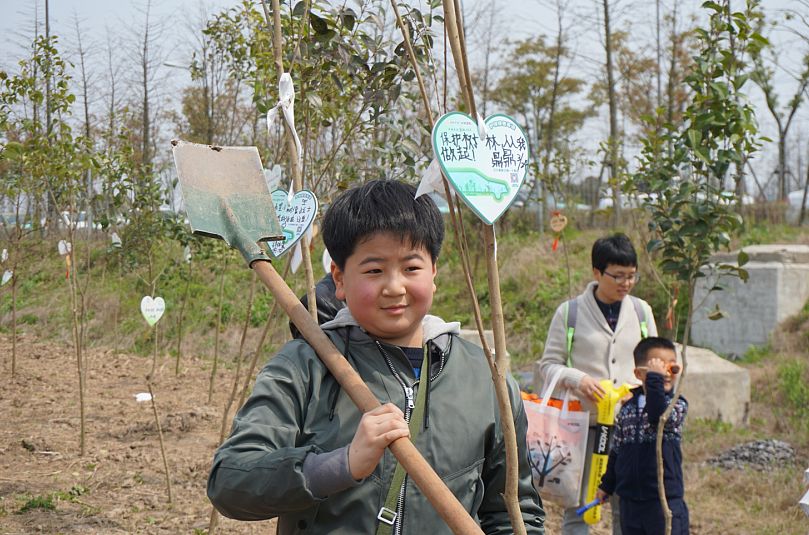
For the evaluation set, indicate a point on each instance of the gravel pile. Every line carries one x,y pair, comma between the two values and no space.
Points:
760,455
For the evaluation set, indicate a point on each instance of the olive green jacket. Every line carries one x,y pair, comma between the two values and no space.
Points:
297,409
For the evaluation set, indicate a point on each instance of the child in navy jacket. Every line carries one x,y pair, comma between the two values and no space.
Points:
632,466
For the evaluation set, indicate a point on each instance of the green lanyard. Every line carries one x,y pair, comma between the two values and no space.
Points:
387,515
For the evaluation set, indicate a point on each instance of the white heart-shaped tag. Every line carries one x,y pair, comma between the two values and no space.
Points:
64,247
326,261
295,218
152,309
486,173
116,240
4,255
7,274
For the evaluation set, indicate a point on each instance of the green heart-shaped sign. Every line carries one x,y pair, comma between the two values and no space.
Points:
295,218
487,173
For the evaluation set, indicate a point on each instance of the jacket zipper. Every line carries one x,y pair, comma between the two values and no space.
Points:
410,405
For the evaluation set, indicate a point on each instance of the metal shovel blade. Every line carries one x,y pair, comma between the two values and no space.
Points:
226,196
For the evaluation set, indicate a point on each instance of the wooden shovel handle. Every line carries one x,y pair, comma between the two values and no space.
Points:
444,502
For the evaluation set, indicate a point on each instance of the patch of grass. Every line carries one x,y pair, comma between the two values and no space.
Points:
71,495
794,385
768,233
756,354
29,319
48,501
713,426
38,502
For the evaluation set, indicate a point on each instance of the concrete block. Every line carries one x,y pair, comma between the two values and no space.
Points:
777,289
471,335
716,389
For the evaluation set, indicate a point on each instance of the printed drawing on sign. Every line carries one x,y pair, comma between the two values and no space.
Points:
485,168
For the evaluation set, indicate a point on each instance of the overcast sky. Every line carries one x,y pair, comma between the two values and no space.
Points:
513,19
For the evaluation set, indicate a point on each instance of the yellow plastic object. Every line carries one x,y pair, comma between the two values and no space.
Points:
605,422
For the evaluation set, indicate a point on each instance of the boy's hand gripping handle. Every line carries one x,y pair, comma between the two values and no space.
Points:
598,463
439,496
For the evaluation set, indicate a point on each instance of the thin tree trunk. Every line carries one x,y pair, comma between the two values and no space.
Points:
145,126
803,200
180,320
613,111
77,342
160,436
14,322
48,74
500,366
218,328
292,151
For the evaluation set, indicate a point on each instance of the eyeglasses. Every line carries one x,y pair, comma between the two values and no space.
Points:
672,367
620,279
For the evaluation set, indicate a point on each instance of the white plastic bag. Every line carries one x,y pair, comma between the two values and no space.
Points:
557,443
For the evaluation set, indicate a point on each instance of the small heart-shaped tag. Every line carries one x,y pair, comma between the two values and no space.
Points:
152,309
326,261
486,173
7,274
294,217
4,255
558,222
64,247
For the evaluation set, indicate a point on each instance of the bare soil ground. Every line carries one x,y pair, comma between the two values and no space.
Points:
119,485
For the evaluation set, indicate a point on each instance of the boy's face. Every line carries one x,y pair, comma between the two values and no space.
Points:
662,361
614,283
388,287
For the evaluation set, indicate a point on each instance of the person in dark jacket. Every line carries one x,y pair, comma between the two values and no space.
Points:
327,303
632,465
301,451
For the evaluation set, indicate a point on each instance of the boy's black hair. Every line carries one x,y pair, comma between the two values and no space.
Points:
615,249
641,351
381,206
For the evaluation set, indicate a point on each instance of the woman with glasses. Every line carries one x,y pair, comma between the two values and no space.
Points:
607,325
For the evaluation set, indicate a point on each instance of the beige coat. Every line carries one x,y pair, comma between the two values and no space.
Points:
597,350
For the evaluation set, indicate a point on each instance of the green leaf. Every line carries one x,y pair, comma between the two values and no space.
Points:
694,138
742,258
712,5
299,8
319,25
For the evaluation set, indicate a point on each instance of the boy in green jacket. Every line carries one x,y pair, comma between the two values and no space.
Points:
301,451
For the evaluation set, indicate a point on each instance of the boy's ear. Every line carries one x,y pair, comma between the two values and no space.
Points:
638,374
337,275
435,288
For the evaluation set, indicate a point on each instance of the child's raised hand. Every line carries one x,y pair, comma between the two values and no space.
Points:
656,365
378,428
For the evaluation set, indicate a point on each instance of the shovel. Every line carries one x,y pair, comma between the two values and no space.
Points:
227,197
